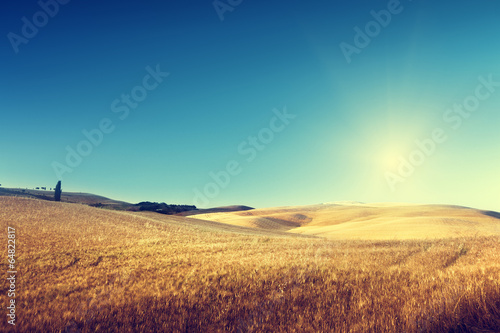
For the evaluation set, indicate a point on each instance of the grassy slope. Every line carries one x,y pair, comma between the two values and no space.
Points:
83,269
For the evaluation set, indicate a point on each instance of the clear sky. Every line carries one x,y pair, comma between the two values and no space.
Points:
262,103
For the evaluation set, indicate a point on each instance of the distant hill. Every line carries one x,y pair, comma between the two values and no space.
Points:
352,220
107,203
224,209
72,197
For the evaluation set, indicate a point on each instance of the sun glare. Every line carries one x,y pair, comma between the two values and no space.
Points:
389,158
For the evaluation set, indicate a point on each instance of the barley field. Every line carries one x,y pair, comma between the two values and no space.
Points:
85,269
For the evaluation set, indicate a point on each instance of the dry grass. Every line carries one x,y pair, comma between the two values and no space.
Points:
83,269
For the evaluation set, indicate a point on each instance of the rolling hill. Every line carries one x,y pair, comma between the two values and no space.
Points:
368,221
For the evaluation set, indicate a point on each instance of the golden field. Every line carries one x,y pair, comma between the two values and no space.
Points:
84,269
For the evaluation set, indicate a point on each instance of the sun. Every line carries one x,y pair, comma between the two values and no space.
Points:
389,157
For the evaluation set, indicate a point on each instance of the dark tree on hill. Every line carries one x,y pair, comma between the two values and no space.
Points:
57,193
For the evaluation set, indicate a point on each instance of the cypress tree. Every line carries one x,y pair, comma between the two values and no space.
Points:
57,193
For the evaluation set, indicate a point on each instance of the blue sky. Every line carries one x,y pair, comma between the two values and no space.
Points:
353,118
